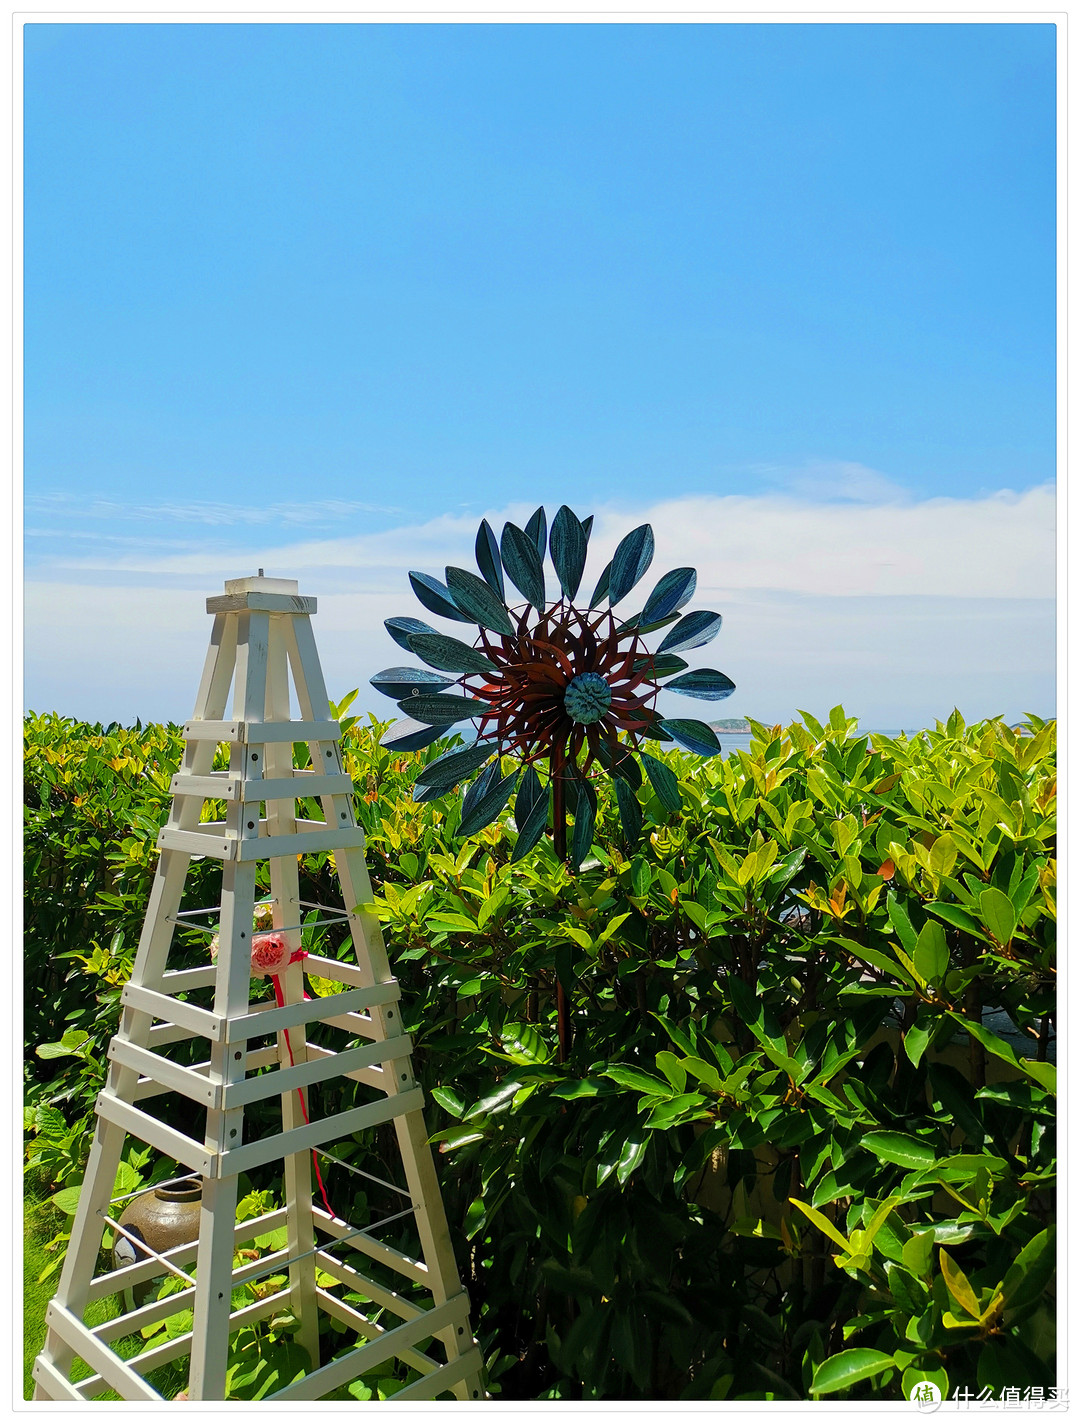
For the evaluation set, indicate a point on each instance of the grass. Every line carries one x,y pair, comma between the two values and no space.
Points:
41,1222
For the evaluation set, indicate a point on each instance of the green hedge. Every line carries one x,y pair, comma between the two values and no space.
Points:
804,1142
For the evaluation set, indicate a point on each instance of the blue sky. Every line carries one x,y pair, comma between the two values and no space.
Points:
293,290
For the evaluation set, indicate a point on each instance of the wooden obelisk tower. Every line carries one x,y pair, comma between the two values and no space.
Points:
256,1052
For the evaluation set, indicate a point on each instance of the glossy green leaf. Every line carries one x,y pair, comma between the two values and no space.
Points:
633,1152
474,597
915,1041
569,548
847,1368
931,957
450,654
436,597
998,914
692,631
522,565
638,1080
1026,1279
899,1148
630,562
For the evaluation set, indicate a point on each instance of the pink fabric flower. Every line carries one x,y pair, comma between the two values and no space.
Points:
269,955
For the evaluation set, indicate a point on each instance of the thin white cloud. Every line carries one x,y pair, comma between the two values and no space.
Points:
898,610
827,480
998,546
206,512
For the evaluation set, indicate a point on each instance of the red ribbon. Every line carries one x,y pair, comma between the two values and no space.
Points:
280,997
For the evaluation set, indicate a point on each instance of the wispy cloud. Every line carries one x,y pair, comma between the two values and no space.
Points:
999,546
899,609
207,512
828,480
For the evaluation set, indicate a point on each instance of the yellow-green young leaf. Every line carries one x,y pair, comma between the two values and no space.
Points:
704,1072
917,1251
325,987
821,1222
747,869
943,855
877,1221
915,1040
1045,1074
959,1285
844,832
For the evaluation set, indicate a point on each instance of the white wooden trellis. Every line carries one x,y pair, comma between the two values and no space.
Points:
262,628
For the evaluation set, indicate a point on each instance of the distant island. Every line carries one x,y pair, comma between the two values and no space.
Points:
731,724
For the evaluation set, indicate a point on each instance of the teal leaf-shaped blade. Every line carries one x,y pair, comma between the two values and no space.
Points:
664,782
522,564
488,561
630,812
427,793
484,800
586,525
536,529
402,629
695,736
442,708
654,731
410,735
450,655
657,665
705,683
529,793
436,597
530,813
569,548
452,767
600,592
584,824
532,829
473,596
399,682
619,763
691,632
669,595
632,559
